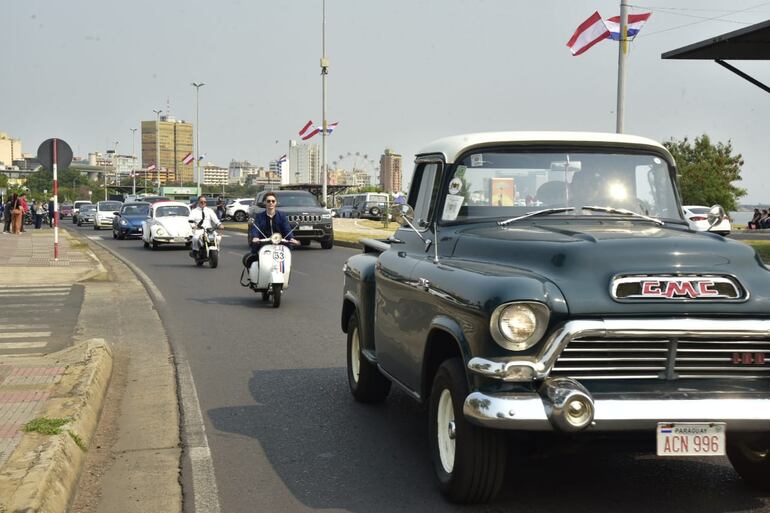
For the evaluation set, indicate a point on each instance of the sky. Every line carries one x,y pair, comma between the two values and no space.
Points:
403,73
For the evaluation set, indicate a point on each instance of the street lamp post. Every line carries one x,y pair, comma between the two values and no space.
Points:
157,145
197,86
133,162
324,73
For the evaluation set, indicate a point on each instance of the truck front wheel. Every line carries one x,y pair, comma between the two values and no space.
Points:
469,461
749,454
364,379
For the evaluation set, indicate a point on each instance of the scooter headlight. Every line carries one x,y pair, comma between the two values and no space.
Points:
519,326
276,238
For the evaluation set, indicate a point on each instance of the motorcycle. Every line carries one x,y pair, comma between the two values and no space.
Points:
208,249
269,272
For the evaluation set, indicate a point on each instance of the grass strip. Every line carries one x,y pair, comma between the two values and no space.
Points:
45,426
762,247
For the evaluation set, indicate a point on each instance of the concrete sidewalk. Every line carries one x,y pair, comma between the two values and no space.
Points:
41,472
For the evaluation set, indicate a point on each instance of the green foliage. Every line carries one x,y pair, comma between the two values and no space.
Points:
45,426
707,171
72,185
3,180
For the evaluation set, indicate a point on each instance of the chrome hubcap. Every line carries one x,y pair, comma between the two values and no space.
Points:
446,430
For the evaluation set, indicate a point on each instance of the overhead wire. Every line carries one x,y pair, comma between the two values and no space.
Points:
714,18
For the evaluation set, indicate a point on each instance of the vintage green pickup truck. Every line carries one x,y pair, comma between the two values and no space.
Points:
548,281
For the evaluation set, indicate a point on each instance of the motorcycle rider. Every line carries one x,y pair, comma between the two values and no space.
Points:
268,222
202,217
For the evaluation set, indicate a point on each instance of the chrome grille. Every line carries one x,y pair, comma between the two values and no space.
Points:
305,218
663,358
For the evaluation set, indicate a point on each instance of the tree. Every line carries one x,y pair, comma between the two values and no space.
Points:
3,180
707,172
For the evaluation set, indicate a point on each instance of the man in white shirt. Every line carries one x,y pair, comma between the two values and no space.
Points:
201,218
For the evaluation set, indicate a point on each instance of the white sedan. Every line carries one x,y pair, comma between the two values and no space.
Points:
697,218
167,224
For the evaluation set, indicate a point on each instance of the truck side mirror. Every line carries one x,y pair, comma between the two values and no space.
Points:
716,215
402,214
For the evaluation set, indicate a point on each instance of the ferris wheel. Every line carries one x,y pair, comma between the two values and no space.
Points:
358,161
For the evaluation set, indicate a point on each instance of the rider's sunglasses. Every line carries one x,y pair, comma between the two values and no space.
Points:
269,201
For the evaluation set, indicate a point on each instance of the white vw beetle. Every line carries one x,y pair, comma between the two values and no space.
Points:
167,224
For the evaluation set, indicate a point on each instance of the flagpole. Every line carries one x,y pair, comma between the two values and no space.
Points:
622,56
324,72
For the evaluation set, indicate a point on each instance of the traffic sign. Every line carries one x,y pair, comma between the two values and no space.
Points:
45,154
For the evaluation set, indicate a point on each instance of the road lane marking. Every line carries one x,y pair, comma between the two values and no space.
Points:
43,294
26,334
36,287
23,326
31,305
21,345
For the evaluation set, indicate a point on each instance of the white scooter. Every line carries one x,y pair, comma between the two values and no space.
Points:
269,274
208,247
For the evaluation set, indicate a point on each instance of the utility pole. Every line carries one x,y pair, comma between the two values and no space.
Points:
622,55
324,73
133,162
197,87
157,145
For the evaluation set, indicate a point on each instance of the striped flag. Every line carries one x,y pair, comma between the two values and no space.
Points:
188,158
282,159
635,23
151,167
317,130
305,129
588,33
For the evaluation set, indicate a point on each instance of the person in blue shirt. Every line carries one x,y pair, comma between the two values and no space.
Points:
268,222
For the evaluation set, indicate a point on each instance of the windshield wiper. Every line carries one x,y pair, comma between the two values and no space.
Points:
623,211
536,213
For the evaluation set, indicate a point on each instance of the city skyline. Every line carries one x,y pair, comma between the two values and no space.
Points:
519,75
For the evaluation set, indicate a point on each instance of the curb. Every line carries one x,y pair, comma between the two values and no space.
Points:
47,468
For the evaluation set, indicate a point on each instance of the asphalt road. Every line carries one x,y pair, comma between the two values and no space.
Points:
286,435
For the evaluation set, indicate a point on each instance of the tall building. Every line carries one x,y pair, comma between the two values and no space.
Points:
176,141
390,171
304,165
10,149
240,170
215,175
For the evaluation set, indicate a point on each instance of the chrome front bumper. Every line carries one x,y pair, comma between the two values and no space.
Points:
530,368
530,412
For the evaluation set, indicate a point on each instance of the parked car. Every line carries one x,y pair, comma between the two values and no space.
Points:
105,212
548,282
86,214
76,209
128,222
370,205
238,209
306,216
167,224
697,218
65,210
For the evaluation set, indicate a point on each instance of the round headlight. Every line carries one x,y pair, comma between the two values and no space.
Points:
124,222
519,326
160,231
276,238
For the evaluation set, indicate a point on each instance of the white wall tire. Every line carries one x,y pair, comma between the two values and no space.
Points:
469,461
365,381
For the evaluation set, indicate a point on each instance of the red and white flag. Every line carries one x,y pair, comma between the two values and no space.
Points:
305,129
151,167
188,158
590,32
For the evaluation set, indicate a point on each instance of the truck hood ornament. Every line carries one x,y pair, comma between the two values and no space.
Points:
677,288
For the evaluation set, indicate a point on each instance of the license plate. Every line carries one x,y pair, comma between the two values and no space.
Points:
305,228
691,439
179,239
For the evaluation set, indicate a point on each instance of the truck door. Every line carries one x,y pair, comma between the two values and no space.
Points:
400,308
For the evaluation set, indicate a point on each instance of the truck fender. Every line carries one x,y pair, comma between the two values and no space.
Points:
445,340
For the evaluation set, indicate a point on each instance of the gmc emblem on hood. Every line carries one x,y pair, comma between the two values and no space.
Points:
676,288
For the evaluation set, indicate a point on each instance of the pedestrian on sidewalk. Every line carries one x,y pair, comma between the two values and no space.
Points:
39,213
16,212
24,209
7,216
50,213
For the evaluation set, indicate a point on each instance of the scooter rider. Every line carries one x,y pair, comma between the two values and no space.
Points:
202,218
269,222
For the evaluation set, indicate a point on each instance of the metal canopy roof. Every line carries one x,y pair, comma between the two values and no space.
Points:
749,43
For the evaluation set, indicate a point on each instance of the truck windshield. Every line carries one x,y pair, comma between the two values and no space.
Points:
508,184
